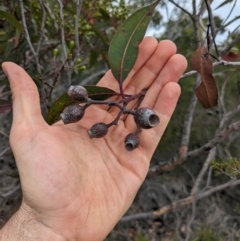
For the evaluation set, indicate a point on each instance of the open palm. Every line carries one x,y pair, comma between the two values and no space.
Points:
77,187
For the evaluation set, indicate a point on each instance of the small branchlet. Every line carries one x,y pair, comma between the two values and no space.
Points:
144,117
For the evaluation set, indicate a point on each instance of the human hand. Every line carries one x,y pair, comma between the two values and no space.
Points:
74,187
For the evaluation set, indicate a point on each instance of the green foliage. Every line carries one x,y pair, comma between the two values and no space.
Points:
230,167
123,49
206,235
140,237
94,92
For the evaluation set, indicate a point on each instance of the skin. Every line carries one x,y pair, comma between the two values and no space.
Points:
74,187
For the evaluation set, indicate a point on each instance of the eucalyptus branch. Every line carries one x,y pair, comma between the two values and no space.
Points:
62,29
227,24
212,26
230,12
201,174
10,192
92,76
174,161
221,62
181,8
179,203
217,139
4,151
42,26
230,45
27,36
79,6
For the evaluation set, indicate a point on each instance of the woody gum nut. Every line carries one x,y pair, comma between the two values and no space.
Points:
77,93
131,141
72,114
146,118
98,130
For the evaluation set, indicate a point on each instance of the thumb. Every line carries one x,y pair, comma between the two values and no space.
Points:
26,102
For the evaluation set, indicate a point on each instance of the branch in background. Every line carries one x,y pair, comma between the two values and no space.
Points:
10,192
4,134
221,62
79,6
28,37
179,203
91,77
234,5
204,169
228,48
179,157
42,27
69,72
62,29
225,25
173,162
4,151
212,26
217,139
222,108
181,8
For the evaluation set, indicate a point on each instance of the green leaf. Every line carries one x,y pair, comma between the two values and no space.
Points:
13,21
94,92
224,3
123,50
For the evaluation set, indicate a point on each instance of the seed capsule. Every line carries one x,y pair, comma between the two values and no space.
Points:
146,118
132,141
72,113
77,93
98,130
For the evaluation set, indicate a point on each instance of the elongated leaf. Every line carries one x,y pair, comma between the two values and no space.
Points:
13,21
123,50
94,92
206,92
224,3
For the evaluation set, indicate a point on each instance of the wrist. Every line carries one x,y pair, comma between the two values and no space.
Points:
23,226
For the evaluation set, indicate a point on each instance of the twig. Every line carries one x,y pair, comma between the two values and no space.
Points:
189,116
181,8
79,6
188,229
217,139
28,37
218,188
205,167
62,28
69,72
221,62
225,25
4,134
179,203
12,191
42,27
230,12
228,48
4,151
170,164
94,75
212,26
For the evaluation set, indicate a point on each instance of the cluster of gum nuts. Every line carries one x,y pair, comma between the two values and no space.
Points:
144,117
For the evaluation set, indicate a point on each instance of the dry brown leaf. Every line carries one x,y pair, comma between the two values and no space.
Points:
206,92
